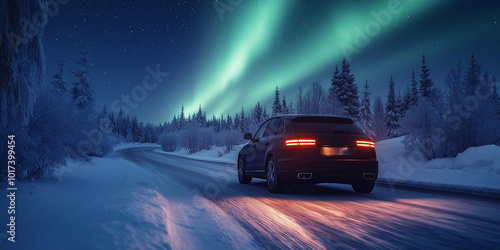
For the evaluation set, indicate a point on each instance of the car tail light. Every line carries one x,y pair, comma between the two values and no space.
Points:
367,144
300,142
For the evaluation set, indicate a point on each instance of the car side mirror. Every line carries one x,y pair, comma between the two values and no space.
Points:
248,136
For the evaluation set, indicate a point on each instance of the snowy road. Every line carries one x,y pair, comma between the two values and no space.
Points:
320,216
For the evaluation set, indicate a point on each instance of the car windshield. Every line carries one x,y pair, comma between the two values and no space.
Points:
325,125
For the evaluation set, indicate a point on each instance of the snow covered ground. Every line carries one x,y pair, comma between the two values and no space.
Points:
476,169
111,203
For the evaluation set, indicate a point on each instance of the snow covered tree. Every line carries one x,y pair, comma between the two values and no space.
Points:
400,104
277,109
112,122
265,115
59,83
291,110
420,125
317,98
425,81
83,96
175,124
333,105
406,101
135,130
102,120
346,89
365,114
391,113
378,119
229,122
284,106
182,119
243,121
414,89
300,101
200,117
472,76
22,61
237,122
336,84
257,114
121,126
314,100
496,98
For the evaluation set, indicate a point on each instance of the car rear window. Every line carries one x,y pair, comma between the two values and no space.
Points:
325,125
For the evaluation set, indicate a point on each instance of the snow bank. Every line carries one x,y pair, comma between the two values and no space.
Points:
484,158
476,169
105,203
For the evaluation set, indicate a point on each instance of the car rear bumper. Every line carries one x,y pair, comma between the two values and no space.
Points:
328,170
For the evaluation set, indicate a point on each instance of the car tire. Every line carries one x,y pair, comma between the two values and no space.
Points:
242,177
363,187
274,183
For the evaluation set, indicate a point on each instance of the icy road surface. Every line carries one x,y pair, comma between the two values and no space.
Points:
320,216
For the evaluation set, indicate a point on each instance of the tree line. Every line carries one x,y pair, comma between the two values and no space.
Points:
436,122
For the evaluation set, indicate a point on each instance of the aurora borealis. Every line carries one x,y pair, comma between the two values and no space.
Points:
234,61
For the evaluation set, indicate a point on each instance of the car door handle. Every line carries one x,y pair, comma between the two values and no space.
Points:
267,143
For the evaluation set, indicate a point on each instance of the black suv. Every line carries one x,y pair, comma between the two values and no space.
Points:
311,149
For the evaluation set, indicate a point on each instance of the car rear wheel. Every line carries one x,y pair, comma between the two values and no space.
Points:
242,177
363,186
274,183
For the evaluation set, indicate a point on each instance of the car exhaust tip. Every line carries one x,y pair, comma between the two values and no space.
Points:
369,176
304,176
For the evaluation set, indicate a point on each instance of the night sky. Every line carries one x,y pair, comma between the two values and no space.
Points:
225,60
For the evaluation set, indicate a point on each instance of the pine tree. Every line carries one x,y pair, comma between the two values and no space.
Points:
112,122
336,87
425,81
22,62
378,119
406,102
120,123
300,101
496,98
237,122
265,115
182,119
414,89
243,121
175,124
229,122
334,106
102,119
222,125
200,118
347,90
257,114
365,114
277,109
284,106
391,113
82,94
472,76
59,83
399,105
135,130
291,110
